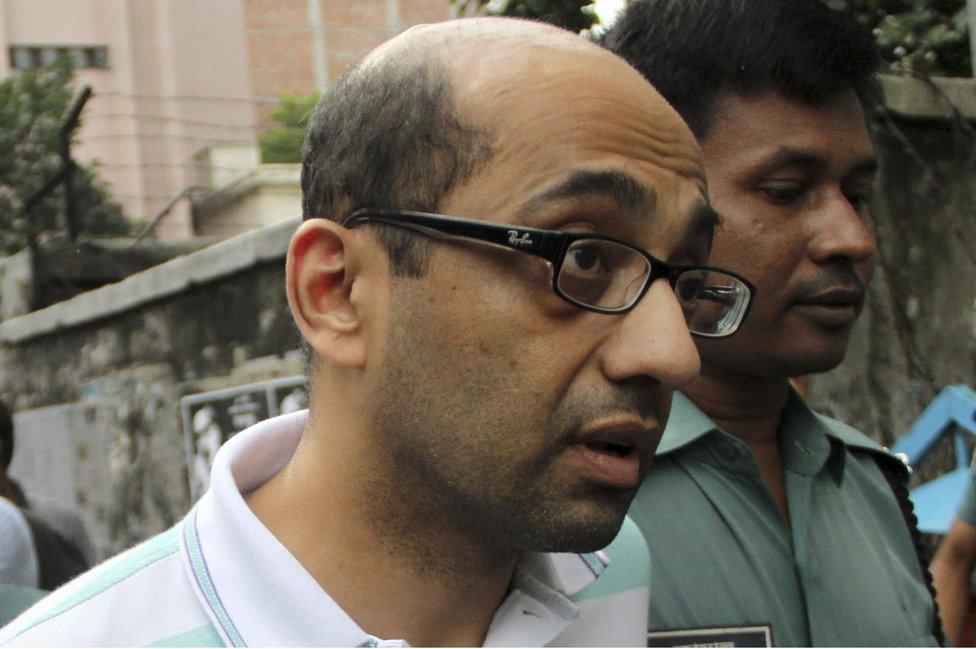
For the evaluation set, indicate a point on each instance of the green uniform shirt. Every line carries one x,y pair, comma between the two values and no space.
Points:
843,571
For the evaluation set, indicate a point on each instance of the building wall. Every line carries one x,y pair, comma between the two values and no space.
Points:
301,46
177,82
187,74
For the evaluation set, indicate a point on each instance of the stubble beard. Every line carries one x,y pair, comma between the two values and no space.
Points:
448,499
438,495
466,463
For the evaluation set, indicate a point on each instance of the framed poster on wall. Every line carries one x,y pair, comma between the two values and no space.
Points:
211,418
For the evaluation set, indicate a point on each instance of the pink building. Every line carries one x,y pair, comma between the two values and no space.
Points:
173,78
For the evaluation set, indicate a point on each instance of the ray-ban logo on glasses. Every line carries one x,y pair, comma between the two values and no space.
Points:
516,238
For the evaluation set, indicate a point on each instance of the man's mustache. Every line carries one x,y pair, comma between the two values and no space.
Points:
836,281
640,396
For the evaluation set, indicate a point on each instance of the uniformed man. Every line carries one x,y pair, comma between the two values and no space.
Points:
766,521
497,277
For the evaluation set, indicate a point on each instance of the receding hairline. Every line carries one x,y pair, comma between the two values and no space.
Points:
470,49
464,36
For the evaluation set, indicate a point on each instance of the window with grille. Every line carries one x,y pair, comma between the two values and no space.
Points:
23,57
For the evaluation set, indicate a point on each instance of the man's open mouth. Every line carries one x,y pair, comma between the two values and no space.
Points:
619,450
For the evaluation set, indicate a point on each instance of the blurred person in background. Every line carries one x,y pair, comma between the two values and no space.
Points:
18,559
19,573
61,546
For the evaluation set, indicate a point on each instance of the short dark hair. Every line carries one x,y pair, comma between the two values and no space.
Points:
388,134
6,436
695,51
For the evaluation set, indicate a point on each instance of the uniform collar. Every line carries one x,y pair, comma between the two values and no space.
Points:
811,439
805,442
686,425
849,436
256,593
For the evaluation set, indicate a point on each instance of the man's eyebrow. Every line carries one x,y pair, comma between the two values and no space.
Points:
866,167
704,219
623,189
787,156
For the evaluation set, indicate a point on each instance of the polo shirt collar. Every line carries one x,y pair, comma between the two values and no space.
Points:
257,593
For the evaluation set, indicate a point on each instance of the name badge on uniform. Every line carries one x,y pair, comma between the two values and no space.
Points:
737,636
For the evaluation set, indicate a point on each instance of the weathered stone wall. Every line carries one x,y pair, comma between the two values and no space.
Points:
96,381
15,280
918,331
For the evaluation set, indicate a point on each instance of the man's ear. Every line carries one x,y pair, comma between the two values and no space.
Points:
318,280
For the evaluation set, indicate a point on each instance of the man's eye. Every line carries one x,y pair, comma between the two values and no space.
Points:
860,200
584,258
782,194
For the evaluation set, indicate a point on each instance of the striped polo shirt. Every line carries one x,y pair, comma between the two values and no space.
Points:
220,578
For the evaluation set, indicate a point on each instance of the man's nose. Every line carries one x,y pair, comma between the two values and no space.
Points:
652,340
841,231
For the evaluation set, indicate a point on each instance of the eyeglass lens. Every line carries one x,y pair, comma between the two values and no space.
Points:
714,303
601,273
608,275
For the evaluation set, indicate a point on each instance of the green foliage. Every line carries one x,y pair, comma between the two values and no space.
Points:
918,36
921,36
283,142
32,105
574,15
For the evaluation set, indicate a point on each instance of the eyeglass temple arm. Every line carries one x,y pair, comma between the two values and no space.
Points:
541,243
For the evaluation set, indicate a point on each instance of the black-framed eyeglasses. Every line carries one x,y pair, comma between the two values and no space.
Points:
595,272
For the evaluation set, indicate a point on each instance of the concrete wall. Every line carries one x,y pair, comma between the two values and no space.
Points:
918,331
15,284
96,381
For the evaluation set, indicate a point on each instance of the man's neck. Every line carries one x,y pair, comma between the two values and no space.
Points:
396,571
749,408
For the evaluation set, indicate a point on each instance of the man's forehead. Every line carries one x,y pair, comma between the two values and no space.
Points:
549,129
552,104
772,131
783,125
